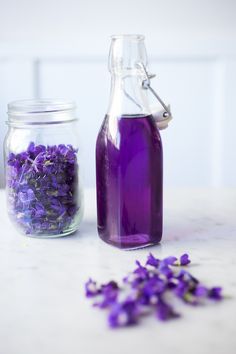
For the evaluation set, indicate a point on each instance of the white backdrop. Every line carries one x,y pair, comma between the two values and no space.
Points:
60,49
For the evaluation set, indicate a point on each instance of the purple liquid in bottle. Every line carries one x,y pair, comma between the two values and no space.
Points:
129,181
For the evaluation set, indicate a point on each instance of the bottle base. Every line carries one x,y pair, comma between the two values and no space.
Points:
131,242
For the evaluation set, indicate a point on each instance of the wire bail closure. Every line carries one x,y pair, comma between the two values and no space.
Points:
146,84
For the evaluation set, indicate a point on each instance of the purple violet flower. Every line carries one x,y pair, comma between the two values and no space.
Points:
200,291
123,314
181,289
27,196
141,271
152,261
146,288
109,294
91,288
184,259
166,271
138,276
215,293
164,311
42,185
169,261
151,290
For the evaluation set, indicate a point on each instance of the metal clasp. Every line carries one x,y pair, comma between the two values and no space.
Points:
146,84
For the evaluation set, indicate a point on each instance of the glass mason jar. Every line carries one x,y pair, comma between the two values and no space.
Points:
44,194
129,153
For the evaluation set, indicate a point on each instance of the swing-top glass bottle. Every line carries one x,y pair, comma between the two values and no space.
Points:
129,154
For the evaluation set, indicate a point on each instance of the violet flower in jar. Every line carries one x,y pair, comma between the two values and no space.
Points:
43,186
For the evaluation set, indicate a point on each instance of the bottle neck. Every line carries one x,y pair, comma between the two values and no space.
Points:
127,96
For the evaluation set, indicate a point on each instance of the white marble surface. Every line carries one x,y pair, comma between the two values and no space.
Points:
42,305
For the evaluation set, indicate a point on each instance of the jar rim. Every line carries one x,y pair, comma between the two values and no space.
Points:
41,111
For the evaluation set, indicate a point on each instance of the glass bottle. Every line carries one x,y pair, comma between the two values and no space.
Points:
44,194
129,153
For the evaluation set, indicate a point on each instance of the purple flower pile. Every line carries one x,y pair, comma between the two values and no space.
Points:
42,185
145,291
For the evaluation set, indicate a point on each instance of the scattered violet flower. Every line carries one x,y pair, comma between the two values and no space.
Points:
184,259
184,275
181,289
165,312
141,271
138,276
123,314
42,185
169,261
91,288
215,293
146,289
150,291
200,291
109,294
152,261
166,271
